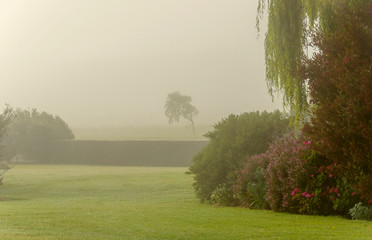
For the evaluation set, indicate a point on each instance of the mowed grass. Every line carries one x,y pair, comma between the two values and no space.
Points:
95,202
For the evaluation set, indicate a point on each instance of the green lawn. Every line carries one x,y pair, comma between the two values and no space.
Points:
94,202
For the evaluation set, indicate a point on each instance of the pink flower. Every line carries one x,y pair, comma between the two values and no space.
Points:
312,194
336,190
296,190
335,164
331,190
308,195
312,175
309,142
330,175
292,193
304,194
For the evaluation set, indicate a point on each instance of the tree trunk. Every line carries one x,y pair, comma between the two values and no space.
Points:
193,127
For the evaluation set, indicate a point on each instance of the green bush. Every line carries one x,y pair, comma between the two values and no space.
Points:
250,186
360,212
223,195
34,134
231,140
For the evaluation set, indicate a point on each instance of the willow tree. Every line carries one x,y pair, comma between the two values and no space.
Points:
289,27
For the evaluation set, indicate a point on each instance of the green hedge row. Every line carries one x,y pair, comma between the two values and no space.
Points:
125,153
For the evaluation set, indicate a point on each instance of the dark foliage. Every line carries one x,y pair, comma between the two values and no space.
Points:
231,141
32,134
340,80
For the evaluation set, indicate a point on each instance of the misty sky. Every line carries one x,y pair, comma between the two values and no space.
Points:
113,62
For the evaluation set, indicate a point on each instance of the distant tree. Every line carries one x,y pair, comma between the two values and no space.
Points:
33,133
178,105
5,119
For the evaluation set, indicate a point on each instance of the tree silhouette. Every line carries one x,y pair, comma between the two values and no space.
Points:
178,105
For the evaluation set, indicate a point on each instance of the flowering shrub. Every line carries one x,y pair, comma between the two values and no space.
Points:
300,180
288,173
250,187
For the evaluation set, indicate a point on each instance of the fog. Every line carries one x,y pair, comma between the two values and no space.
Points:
112,63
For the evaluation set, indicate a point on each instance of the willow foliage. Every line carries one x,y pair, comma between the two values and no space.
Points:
290,25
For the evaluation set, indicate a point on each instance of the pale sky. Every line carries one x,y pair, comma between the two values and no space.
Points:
113,62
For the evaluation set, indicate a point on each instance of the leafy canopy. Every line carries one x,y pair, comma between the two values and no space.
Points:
231,140
32,132
178,105
339,76
289,27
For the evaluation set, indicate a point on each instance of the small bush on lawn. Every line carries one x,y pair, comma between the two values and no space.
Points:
223,195
360,212
250,186
231,141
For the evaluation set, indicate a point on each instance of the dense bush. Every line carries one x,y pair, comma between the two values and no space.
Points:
231,141
360,212
339,77
250,186
299,180
224,195
288,172
34,133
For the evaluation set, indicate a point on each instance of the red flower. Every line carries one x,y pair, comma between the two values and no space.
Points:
336,190
330,175
353,193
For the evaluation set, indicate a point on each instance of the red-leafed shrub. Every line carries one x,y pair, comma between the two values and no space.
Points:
340,80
